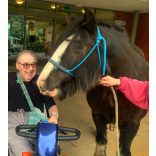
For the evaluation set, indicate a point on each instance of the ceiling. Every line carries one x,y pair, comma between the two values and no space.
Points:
119,5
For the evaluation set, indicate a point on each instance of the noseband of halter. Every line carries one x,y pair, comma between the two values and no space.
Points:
99,38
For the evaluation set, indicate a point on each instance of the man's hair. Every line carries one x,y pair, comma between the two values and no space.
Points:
26,52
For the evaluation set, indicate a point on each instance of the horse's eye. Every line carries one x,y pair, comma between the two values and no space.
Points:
77,46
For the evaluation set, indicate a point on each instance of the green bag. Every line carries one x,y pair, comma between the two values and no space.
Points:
35,115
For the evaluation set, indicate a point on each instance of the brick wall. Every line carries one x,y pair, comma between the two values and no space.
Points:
125,16
142,35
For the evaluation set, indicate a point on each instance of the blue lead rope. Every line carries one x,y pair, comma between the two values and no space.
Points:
99,38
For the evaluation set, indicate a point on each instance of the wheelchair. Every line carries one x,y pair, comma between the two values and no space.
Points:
47,137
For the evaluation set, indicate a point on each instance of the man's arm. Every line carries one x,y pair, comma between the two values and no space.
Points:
52,109
54,114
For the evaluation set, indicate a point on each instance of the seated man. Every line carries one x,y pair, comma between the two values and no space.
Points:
18,106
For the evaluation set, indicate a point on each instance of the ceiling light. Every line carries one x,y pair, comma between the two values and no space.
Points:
19,1
52,6
83,11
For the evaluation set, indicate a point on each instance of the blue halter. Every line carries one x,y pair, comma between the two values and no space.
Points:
99,38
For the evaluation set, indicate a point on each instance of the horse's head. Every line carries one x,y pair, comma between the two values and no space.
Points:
71,48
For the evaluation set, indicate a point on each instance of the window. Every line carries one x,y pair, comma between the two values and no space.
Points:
15,42
39,34
59,28
43,30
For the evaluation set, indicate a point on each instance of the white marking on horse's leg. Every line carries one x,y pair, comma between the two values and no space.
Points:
112,127
56,57
100,150
108,130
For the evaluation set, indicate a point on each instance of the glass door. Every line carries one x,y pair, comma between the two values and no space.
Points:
39,33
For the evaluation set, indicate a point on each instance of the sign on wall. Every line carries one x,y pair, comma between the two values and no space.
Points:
121,23
31,25
41,32
16,25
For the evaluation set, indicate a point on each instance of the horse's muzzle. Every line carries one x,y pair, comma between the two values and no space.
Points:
44,91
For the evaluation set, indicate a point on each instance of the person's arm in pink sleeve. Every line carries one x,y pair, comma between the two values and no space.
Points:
136,91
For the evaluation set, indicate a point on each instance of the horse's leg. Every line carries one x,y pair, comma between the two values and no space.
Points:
101,136
126,138
108,130
110,127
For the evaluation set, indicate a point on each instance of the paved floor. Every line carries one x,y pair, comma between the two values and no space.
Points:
75,113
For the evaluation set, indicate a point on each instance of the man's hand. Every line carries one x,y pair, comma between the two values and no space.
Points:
110,81
54,114
53,118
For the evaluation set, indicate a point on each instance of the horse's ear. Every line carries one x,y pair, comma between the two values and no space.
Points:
89,21
70,18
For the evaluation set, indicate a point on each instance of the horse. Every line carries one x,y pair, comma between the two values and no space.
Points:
74,67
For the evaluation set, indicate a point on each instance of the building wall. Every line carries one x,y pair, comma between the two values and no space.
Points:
125,16
142,35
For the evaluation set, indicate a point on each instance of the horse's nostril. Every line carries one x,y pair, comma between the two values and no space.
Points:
43,87
40,82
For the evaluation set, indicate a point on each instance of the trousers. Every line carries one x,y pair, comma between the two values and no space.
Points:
18,144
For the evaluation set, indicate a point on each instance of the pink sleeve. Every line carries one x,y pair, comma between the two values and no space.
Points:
136,91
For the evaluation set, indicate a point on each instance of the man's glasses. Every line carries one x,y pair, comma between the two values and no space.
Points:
26,65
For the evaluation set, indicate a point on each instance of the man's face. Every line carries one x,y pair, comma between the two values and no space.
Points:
26,74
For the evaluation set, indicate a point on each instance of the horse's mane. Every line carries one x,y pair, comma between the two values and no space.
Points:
75,27
109,24
112,25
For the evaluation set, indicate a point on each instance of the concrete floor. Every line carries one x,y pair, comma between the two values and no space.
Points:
75,113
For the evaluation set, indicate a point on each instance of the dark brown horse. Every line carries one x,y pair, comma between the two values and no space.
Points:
122,59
